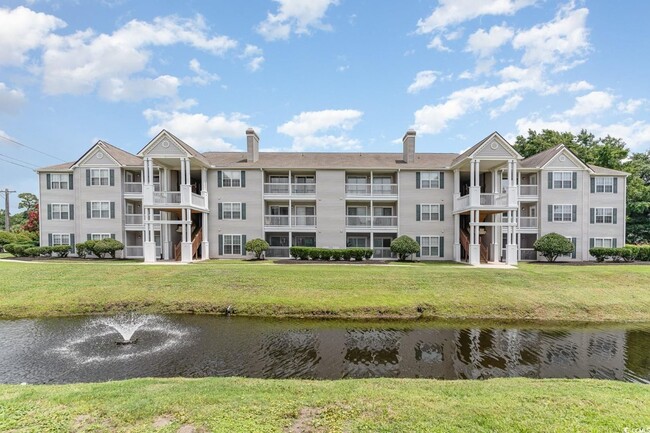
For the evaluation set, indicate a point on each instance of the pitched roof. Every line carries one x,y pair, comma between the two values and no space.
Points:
322,160
607,171
121,156
471,150
189,149
539,159
58,167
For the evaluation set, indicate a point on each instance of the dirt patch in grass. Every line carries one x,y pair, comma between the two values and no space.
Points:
305,421
162,421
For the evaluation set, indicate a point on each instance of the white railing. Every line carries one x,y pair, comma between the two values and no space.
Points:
277,252
134,219
167,197
197,200
381,189
527,222
527,254
494,199
134,251
289,188
358,221
296,221
276,188
384,221
528,190
462,202
382,253
303,221
370,190
133,187
276,220
303,188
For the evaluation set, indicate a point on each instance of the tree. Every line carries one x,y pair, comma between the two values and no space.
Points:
31,225
28,201
552,246
257,247
404,246
638,198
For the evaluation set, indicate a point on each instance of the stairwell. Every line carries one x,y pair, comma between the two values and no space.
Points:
197,236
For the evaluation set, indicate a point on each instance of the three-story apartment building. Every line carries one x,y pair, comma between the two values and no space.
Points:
488,204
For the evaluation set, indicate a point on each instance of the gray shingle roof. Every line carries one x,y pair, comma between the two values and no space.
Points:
541,158
66,166
189,149
121,156
607,171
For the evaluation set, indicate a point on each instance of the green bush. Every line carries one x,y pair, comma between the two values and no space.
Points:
337,255
257,246
327,254
314,253
346,255
107,247
85,248
627,254
32,252
601,254
60,250
357,253
368,253
404,246
644,253
553,245
300,253
18,250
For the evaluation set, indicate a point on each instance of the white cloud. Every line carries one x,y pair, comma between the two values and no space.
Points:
630,106
591,103
510,104
452,12
423,80
295,16
561,42
579,86
324,129
200,131
23,30
254,55
202,76
437,44
484,43
11,100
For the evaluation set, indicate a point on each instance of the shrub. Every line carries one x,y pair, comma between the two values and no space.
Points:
600,253
60,250
300,253
313,253
644,253
85,248
629,253
357,253
32,252
257,246
337,255
404,246
368,253
553,245
346,254
107,246
17,250
325,254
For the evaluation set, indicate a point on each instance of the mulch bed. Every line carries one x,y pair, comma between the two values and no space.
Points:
589,263
331,262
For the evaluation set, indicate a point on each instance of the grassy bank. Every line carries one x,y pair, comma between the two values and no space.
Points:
532,292
378,405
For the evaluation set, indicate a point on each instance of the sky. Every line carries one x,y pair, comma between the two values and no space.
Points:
313,75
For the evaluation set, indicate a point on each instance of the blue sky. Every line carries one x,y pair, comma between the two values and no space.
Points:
317,75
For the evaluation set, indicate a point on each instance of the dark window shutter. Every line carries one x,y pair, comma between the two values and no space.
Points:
243,179
615,188
112,210
442,212
614,218
70,181
243,211
550,213
575,180
243,245
88,212
417,180
614,243
49,239
574,242
592,215
221,245
417,212
220,210
112,235
72,244
89,236
442,180
71,211
219,180
593,185
574,213
49,211
591,243
417,239
111,177
441,246
48,178
550,180
87,177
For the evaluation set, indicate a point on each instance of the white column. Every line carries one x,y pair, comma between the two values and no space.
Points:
457,237
205,244
182,179
204,180
472,176
474,247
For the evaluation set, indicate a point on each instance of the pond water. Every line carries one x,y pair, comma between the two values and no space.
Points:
78,349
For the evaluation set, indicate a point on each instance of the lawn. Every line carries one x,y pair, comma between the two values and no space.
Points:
442,290
377,405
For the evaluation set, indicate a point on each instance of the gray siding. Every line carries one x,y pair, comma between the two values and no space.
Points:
330,208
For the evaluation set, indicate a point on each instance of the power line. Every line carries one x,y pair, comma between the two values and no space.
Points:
15,163
18,160
29,147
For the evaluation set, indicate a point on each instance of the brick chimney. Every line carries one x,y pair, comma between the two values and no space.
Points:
409,146
252,145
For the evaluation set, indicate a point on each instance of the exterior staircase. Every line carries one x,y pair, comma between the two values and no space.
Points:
196,243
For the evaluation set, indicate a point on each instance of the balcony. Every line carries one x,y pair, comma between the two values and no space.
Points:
277,252
301,221
174,199
524,222
132,188
290,189
133,219
526,191
382,253
490,201
353,221
368,190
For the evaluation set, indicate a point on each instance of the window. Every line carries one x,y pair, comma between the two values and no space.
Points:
232,211
99,236
59,181
562,213
430,212
430,179
232,244
99,176
603,242
604,184
232,179
604,215
100,209
430,246
358,242
562,180
60,239
60,211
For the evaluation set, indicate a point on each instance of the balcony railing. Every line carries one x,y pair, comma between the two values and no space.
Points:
197,200
277,252
303,188
134,219
296,221
528,190
298,189
370,190
527,222
382,253
167,197
133,187
497,199
134,251
527,254
370,221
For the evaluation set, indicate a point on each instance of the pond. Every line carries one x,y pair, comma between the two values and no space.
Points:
79,349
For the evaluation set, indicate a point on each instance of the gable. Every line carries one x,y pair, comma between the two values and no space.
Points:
97,157
163,145
494,147
564,160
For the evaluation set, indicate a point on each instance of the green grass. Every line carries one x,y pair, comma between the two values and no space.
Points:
449,291
377,405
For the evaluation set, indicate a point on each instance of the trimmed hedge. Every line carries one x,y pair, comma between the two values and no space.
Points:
100,248
327,254
628,253
18,250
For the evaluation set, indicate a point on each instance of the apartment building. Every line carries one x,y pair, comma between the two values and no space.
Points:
488,204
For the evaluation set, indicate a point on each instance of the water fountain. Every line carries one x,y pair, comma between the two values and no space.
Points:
126,325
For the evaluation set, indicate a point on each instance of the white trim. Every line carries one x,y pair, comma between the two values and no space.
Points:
430,212
90,152
232,210
100,217
563,213
61,235
604,215
433,173
100,235
430,246
572,157
60,204
223,178
611,240
232,244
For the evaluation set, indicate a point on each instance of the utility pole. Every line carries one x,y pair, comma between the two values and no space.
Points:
7,221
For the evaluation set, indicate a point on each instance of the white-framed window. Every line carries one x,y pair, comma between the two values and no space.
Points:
100,209
562,180
430,179
231,179
232,211
99,236
603,242
59,181
232,245
358,242
604,184
562,213
60,239
60,211
99,176
430,212
604,215
430,246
